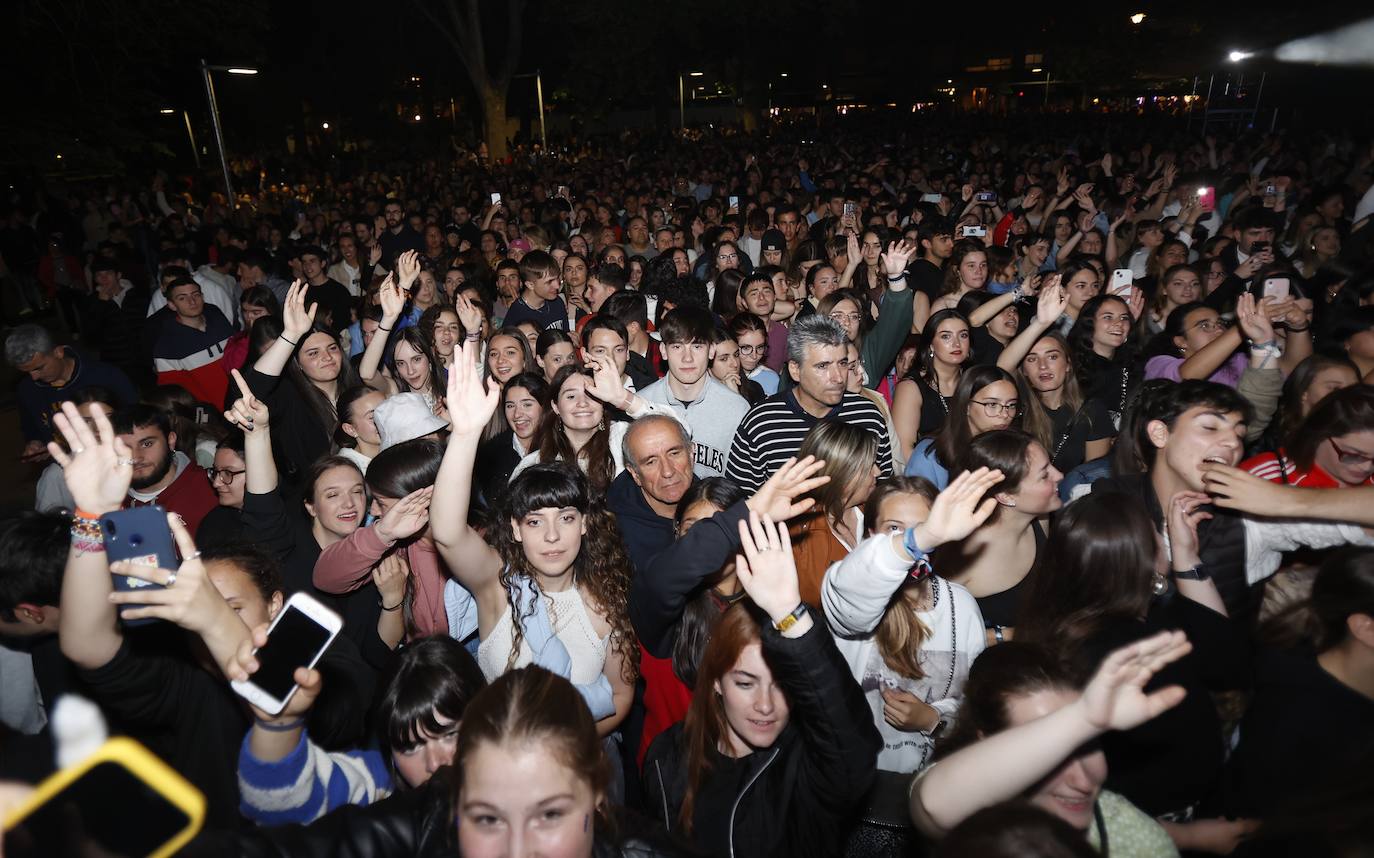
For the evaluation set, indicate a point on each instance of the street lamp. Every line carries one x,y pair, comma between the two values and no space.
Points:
682,97
205,70
1138,18
1237,56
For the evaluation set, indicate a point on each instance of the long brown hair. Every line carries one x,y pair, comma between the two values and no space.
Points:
953,438
901,634
601,568
553,439
848,452
1036,420
705,726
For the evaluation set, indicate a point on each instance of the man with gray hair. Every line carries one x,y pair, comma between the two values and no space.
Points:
772,431
657,451
55,373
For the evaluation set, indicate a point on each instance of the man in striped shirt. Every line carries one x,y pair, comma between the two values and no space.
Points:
772,431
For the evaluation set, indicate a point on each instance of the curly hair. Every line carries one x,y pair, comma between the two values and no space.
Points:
554,444
601,569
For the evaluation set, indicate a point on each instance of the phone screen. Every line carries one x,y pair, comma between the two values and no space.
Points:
496,199
293,643
107,811
734,202
1207,199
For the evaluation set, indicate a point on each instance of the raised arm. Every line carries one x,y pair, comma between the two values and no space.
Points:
1006,764
1050,306
97,471
851,262
251,415
296,322
858,589
393,298
1254,325
472,561
1236,489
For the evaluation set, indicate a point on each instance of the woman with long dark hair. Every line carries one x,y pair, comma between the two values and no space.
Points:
987,398
1103,356
304,413
779,744
553,585
921,402
1333,447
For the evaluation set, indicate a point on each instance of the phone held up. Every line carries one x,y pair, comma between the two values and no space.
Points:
1207,199
973,232
141,536
297,638
1277,288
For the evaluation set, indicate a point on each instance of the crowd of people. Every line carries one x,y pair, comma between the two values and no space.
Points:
948,495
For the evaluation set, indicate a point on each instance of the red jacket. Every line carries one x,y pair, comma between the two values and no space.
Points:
47,273
189,496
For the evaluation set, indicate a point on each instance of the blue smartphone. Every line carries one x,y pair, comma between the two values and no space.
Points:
139,535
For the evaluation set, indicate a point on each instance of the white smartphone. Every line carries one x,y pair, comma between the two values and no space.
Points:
973,232
496,199
734,202
297,638
930,198
1122,278
1276,288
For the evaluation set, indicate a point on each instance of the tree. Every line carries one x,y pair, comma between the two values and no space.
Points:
460,22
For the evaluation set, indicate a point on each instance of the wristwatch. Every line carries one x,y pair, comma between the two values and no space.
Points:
1197,573
791,619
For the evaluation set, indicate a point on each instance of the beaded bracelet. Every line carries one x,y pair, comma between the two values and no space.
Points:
87,537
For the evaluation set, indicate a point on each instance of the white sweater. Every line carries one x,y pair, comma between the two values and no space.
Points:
855,595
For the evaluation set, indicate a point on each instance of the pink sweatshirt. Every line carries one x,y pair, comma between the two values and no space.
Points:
347,565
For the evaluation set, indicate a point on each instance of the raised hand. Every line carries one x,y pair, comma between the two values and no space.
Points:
391,576
958,510
248,413
407,269
766,568
407,517
296,317
393,300
1185,513
470,399
897,256
1115,698
1135,302
852,256
99,467
607,385
1052,302
468,315
374,254
1254,321
782,497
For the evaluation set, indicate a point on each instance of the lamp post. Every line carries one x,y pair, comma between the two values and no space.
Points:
205,70
682,97
539,94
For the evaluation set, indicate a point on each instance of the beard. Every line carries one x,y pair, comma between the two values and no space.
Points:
159,471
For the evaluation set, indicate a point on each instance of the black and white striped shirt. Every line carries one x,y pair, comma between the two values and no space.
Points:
772,432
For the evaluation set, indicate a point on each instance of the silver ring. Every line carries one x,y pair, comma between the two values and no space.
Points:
195,555
171,579
129,462
78,450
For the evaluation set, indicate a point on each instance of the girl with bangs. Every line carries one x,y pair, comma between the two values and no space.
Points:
552,586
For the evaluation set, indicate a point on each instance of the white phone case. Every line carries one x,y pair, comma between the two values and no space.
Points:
315,611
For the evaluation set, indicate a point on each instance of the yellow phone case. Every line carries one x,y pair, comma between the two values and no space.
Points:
143,765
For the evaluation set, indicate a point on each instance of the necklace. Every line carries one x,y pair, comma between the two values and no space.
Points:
953,630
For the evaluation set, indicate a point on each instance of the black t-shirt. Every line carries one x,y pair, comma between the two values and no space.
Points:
927,278
1071,430
986,349
1301,729
552,314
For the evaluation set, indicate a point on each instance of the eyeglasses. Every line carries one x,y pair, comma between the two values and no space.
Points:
228,476
728,257
1207,326
753,350
993,408
1351,457
843,318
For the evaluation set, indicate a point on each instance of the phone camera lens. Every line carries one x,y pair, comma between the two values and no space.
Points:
136,540
110,528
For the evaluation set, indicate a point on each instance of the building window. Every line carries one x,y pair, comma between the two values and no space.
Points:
998,63
1035,59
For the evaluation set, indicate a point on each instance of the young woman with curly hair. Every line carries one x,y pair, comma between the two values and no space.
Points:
552,585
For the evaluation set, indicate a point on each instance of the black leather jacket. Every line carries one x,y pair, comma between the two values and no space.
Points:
414,823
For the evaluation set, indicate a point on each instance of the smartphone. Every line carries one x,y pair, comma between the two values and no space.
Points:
1207,199
297,638
1271,190
1258,248
973,232
931,198
1122,278
140,535
734,202
563,191
1276,288
120,801
850,209
986,196
496,199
